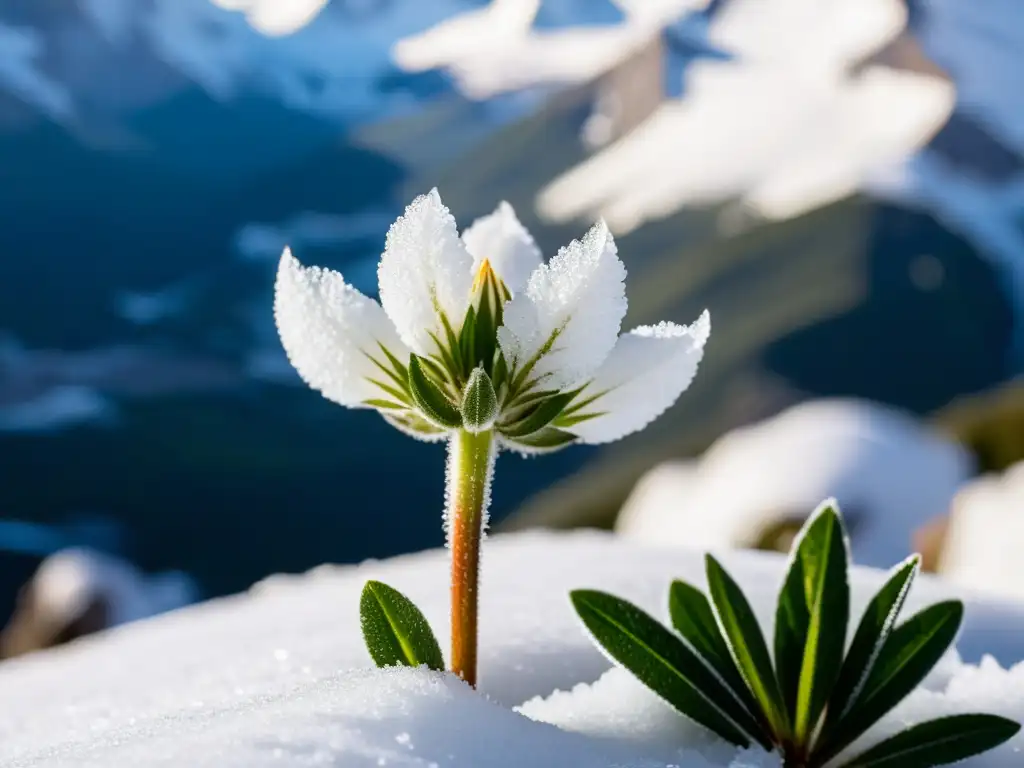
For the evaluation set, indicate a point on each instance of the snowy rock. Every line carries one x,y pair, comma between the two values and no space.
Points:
985,535
79,591
280,676
787,125
275,17
494,50
890,475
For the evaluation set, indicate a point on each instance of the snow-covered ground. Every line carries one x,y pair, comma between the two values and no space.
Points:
280,677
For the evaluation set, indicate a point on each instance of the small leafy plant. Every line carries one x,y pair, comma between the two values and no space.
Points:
814,696
478,343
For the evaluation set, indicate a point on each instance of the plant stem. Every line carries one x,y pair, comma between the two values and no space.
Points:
470,467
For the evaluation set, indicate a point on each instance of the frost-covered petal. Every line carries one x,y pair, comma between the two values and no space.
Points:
567,320
502,240
425,270
328,328
645,373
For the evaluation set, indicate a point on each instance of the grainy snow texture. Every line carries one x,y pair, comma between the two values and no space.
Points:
280,677
559,332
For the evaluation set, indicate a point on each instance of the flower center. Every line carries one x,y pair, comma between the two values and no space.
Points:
484,275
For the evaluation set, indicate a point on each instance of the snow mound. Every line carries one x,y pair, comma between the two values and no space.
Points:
975,557
889,472
280,676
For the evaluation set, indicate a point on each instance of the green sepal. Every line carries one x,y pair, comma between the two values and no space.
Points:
375,402
487,320
467,340
547,439
479,402
432,402
540,416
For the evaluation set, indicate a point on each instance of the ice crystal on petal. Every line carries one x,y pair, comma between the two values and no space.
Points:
560,372
425,269
326,327
500,239
568,318
645,373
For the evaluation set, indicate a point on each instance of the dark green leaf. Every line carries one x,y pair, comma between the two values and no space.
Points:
429,398
453,345
479,402
938,742
874,628
548,439
811,619
446,355
546,411
693,618
435,369
467,339
663,663
395,393
500,371
568,422
906,658
395,632
488,319
746,644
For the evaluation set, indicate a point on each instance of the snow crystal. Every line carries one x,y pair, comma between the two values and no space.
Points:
280,676
646,371
571,309
326,326
425,267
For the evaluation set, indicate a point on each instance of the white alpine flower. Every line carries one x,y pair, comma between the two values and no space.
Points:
478,333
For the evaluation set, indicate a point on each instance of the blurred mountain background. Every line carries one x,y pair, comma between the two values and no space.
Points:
156,155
